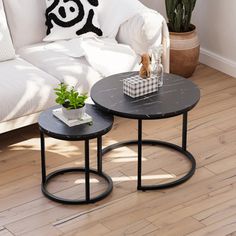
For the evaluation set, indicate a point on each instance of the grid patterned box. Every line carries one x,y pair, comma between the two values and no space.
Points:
135,86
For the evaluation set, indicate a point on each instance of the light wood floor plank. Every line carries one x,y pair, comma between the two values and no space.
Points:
223,227
183,227
5,232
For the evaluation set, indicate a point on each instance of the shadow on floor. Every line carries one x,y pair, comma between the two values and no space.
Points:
18,135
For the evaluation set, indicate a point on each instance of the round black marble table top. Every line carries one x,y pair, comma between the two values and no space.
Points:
52,126
176,96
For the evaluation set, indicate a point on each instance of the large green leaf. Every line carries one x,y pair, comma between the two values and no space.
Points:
171,13
179,18
179,13
187,14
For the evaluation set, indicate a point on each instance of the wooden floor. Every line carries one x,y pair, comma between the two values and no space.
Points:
205,205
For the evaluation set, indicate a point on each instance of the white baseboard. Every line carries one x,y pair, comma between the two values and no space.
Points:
218,62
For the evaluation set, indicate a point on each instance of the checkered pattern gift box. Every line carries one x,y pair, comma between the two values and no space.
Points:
135,86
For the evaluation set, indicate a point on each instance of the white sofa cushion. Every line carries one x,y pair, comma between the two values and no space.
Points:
73,71
24,89
26,19
70,19
7,50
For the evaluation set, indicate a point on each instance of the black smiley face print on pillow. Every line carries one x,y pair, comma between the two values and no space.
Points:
66,19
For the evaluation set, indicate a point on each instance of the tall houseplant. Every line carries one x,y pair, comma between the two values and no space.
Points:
184,43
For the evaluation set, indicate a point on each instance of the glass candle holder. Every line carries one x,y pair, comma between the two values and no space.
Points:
157,69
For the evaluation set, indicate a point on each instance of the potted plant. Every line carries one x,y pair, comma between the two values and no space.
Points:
184,43
73,103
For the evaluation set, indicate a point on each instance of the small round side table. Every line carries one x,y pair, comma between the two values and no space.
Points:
53,127
176,97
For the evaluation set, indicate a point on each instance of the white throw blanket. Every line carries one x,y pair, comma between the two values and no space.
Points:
113,13
103,54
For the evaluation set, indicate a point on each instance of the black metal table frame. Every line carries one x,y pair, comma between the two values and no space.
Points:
140,142
87,170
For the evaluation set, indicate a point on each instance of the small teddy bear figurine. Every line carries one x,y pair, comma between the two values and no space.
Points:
145,69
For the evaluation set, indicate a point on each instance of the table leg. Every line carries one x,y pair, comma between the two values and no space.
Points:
43,162
140,142
83,170
87,182
99,154
184,131
139,154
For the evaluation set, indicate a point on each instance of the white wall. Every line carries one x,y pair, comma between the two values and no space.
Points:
158,5
216,27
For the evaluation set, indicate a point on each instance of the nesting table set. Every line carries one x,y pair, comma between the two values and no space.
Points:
176,97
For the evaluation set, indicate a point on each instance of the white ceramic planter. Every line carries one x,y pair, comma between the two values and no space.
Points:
73,114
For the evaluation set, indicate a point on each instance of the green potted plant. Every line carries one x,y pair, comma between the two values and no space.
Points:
184,43
73,103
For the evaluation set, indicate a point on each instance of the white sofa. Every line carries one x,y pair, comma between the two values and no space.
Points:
27,81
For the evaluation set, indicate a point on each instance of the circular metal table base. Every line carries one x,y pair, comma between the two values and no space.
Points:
177,148
74,201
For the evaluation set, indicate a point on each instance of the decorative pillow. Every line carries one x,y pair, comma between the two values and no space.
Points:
66,19
7,50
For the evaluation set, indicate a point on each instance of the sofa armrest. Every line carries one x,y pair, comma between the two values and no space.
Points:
144,31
